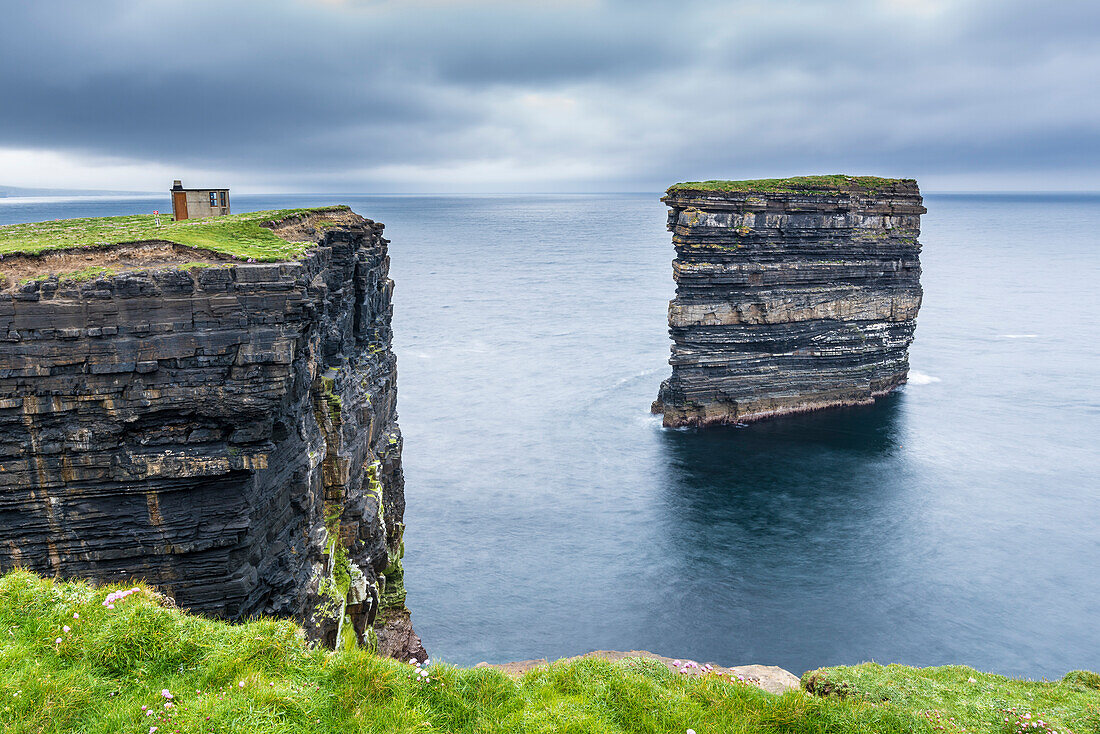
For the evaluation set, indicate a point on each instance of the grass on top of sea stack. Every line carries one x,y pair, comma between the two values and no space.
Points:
75,658
831,184
238,235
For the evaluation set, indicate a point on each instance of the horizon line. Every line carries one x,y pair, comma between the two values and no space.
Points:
107,194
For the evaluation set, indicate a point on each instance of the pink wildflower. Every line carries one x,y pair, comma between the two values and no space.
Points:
241,684
65,628
164,692
57,641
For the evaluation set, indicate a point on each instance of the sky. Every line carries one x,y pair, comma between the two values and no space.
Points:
416,96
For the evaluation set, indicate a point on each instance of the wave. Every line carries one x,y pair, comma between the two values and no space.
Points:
919,378
1017,336
638,375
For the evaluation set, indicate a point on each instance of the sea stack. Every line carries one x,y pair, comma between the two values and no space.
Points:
792,295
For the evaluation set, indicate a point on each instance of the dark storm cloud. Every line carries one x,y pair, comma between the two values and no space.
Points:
513,44
598,93
248,92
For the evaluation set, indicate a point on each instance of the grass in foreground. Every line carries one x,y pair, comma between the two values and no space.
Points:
97,675
238,235
960,699
830,184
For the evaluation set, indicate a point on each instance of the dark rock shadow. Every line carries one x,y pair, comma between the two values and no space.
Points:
767,527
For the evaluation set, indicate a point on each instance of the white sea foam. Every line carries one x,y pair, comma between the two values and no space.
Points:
919,378
1018,336
638,375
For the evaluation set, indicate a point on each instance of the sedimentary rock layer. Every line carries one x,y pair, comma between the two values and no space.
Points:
228,433
789,298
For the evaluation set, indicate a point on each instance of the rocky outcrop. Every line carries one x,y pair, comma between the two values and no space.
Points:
769,678
227,432
790,296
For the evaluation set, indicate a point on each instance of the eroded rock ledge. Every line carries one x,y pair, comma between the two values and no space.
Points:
791,296
227,431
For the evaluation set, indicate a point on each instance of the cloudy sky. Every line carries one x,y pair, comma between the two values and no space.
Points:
569,95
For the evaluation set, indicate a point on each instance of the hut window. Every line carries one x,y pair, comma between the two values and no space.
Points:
213,198
221,196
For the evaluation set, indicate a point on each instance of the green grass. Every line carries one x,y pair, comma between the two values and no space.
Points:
77,276
114,661
797,185
238,235
964,700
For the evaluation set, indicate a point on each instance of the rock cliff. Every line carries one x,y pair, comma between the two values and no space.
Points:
791,295
225,430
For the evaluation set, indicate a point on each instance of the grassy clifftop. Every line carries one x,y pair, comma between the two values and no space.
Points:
829,184
237,235
955,698
70,663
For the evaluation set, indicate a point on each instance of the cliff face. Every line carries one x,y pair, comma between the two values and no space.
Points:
226,432
789,297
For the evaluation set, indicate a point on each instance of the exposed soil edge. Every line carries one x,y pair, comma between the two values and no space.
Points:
69,262
114,247
310,227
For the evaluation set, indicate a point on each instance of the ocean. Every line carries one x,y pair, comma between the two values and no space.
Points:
956,521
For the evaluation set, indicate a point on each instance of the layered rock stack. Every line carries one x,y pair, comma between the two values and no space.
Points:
227,433
791,295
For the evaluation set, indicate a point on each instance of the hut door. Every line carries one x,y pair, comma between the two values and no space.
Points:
179,205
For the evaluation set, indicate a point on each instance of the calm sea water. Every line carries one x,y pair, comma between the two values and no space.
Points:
549,514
